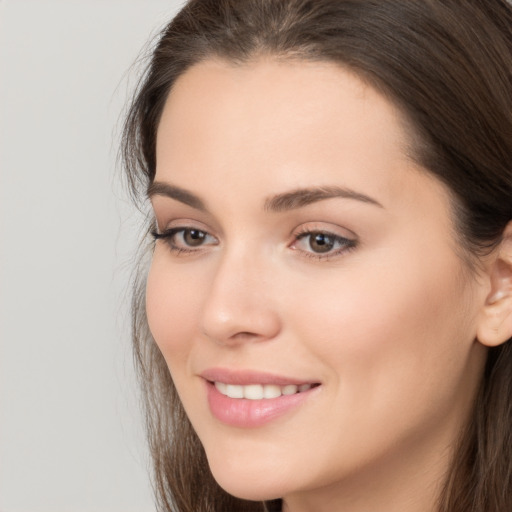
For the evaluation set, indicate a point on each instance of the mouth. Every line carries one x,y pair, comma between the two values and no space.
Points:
250,399
261,391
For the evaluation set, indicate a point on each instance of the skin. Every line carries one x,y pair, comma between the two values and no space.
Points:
387,327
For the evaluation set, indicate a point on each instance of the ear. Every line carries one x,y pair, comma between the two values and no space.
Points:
495,322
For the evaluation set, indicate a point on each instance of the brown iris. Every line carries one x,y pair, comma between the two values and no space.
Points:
321,242
194,237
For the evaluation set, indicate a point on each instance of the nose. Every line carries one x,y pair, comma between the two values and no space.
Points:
240,306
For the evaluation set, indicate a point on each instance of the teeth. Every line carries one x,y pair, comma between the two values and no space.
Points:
259,391
221,387
291,389
253,392
270,391
234,391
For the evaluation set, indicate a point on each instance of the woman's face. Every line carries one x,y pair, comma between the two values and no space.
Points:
308,265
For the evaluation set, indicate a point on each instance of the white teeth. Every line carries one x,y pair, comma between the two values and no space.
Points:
291,389
271,391
253,392
221,387
259,391
234,391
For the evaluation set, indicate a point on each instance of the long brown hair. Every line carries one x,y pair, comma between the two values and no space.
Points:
447,64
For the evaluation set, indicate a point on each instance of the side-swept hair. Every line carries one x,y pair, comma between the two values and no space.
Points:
447,65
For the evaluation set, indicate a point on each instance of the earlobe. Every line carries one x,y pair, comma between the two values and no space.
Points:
495,323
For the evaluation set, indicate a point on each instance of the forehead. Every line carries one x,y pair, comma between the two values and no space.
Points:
272,93
268,126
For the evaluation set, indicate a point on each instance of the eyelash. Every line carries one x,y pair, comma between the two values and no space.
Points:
168,237
346,244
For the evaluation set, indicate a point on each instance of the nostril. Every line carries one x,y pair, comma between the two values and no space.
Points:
245,335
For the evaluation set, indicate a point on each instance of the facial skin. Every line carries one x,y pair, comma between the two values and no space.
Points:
386,323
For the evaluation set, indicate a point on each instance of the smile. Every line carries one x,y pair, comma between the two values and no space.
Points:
235,400
260,391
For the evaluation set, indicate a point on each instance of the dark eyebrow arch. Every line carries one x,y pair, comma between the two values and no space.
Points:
305,196
157,188
279,203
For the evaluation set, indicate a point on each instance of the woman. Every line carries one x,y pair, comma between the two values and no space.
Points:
329,304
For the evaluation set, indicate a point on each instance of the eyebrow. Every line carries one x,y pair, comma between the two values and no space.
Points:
305,196
157,188
293,200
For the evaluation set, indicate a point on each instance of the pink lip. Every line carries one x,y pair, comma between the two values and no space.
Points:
246,377
240,412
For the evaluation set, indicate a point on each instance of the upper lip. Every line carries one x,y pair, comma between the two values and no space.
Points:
246,377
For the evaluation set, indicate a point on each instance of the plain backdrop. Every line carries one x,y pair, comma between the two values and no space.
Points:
71,436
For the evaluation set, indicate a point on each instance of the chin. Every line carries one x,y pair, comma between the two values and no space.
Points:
248,482
249,490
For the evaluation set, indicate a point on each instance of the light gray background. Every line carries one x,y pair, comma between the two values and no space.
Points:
70,430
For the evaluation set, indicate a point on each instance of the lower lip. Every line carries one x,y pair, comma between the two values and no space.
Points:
241,412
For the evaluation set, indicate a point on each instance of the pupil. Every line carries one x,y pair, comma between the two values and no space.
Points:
321,242
194,237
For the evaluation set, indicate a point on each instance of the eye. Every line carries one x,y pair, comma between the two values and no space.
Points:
184,239
193,237
322,244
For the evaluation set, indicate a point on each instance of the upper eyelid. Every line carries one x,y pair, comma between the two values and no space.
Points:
170,231
181,223
299,236
324,227
342,238
166,207
302,230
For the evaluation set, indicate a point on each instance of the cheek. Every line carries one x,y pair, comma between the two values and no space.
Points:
404,328
172,305
394,348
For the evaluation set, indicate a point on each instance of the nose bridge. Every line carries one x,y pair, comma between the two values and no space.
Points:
238,305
